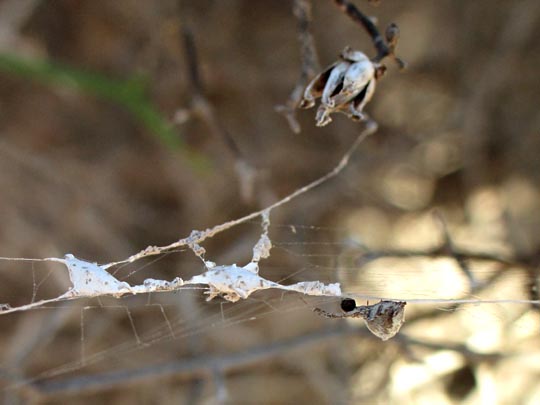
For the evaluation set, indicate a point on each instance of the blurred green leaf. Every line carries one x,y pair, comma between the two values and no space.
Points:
130,93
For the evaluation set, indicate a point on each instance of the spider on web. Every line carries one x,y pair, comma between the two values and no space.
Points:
383,319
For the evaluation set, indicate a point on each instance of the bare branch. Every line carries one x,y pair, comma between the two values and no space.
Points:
204,366
309,60
439,251
202,108
460,259
383,47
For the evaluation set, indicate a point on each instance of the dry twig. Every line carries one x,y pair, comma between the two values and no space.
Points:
203,109
309,60
384,47
204,366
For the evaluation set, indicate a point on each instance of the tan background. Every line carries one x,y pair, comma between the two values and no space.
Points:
459,132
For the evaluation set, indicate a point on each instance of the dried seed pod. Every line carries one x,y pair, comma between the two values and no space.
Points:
315,88
353,56
334,83
346,86
359,76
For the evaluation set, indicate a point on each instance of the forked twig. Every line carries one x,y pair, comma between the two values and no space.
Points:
384,46
346,85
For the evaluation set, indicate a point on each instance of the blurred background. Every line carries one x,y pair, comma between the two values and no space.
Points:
108,145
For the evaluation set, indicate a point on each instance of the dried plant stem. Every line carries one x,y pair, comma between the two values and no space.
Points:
204,366
203,109
309,59
356,15
200,104
384,46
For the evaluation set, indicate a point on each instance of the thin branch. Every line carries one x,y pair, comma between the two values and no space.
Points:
200,104
309,59
406,340
383,47
439,251
204,366
203,109
200,366
366,22
450,247
192,61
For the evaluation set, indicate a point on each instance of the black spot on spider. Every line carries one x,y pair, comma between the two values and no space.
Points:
348,304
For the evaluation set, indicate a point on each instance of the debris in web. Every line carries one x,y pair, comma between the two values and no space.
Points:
230,282
262,248
89,279
234,283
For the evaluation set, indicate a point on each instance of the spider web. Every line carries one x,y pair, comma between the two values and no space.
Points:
103,340
131,317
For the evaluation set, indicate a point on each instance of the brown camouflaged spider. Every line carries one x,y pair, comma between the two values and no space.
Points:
383,319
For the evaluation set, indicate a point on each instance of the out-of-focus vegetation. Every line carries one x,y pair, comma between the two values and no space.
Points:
97,177
130,94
